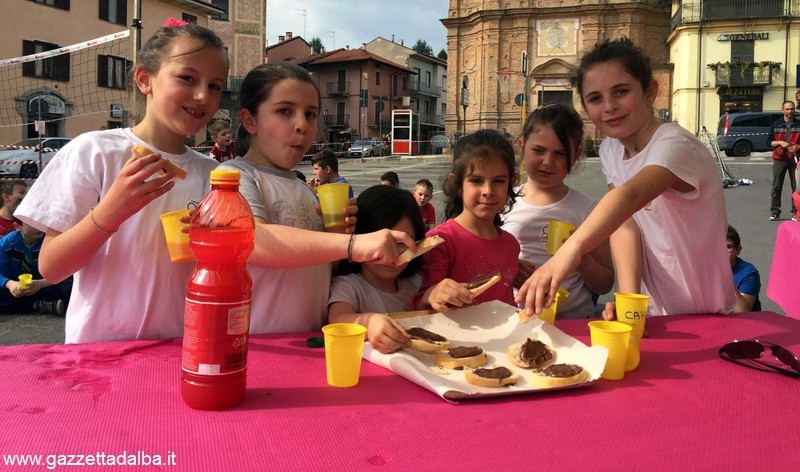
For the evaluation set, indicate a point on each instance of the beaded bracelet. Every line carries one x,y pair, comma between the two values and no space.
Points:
350,247
97,226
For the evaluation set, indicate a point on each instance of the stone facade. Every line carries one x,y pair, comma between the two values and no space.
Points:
490,36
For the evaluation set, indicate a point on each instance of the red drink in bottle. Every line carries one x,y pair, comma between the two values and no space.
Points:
217,313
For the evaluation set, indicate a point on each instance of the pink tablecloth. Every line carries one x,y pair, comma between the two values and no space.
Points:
783,275
682,409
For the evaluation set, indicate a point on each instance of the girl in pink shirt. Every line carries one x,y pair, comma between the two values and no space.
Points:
478,189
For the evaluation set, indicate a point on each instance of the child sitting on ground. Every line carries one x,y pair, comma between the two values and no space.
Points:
11,192
19,254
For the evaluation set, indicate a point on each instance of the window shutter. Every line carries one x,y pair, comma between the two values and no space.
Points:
104,10
122,12
28,68
102,70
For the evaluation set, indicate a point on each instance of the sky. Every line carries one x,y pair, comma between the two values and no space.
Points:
354,22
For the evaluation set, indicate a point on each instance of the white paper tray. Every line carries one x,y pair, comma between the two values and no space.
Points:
493,326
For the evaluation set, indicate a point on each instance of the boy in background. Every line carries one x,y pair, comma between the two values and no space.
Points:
12,192
222,150
745,275
19,254
390,178
326,170
423,192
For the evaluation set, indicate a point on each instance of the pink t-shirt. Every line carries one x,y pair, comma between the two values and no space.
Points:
465,257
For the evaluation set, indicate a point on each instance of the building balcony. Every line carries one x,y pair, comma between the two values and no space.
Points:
337,121
742,76
431,119
425,89
337,88
383,123
707,10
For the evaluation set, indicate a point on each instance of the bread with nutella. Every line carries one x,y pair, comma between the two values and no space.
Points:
490,377
531,354
558,375
461,356
426,341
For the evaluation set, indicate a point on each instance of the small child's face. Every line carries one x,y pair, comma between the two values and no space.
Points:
422,195
389,272
485,188
322,174
733,251
29,232
223,138
17,194
545,158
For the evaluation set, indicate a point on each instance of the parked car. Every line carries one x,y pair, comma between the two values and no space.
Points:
366,148
738,134
24,163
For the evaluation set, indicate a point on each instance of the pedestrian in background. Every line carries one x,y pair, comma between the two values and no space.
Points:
784,136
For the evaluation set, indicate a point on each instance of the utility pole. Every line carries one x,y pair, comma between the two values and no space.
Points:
333,33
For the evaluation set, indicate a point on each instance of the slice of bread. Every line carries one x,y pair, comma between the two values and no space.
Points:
422,247
480,286
558,375
531,354
426,341
142,151
493,377
461,356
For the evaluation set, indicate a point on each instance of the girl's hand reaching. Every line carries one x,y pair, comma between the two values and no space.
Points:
386,334
540,289
447,295
381,246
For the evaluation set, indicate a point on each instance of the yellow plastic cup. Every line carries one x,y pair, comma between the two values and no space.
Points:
615,337
549,314
333,200
632,310
344,343
25,280
177,240
557,232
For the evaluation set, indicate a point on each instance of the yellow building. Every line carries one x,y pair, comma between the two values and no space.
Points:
732,56
501,51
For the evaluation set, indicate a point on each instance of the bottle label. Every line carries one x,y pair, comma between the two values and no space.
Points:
215,337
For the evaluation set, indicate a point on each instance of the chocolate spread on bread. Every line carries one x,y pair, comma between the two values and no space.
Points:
464,351
535,353
423,334
561,370
496,373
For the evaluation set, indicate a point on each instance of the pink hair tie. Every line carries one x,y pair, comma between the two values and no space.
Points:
172,22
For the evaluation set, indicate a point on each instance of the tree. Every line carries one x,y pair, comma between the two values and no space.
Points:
316,45
442,55
422,47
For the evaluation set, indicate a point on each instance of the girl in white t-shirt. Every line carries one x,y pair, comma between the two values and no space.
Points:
660,175
363,293
99,203
550,146
290,264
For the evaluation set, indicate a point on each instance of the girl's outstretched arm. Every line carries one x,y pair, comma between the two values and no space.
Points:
617,206
65,253
279,246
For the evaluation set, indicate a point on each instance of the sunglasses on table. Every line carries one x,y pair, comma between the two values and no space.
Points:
748,353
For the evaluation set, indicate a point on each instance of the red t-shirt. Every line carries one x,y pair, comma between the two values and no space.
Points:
428,215
220,155
6,226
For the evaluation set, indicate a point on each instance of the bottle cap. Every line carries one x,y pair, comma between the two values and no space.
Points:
224,176
315,342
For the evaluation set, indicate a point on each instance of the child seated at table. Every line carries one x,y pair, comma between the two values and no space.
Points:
745,275
479,189
365,292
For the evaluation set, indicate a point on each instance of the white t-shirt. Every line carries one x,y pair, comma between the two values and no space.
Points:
365,298
686,269
284,300
129,289
528,224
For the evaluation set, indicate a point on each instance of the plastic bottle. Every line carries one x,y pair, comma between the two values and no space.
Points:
217,313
